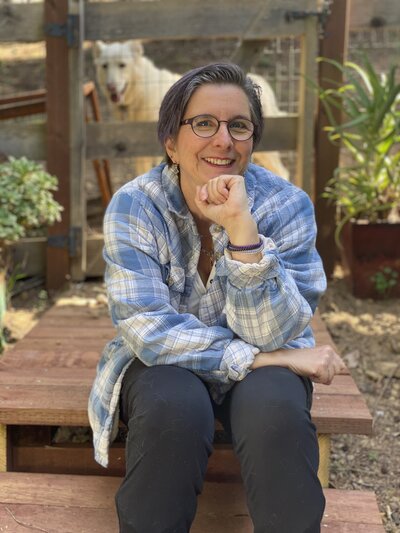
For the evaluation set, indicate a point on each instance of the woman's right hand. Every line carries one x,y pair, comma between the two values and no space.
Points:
320,363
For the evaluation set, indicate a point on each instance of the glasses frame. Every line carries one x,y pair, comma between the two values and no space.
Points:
189,121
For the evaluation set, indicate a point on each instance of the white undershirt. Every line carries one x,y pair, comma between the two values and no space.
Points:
199,290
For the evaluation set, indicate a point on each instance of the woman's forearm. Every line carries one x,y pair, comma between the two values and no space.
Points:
320,363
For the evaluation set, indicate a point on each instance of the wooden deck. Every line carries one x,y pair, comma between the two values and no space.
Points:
85,504
44,384
46,378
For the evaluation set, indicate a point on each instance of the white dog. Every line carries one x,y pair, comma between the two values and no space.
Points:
133,85
134,88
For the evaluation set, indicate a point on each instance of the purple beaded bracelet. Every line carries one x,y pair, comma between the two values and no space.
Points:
246,248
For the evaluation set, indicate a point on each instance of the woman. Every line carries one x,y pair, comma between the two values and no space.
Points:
212,279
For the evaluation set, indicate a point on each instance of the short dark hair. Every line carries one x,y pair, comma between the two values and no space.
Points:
175,101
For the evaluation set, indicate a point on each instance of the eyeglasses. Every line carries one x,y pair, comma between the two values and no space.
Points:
240,129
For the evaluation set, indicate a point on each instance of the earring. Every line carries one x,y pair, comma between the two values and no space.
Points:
175,169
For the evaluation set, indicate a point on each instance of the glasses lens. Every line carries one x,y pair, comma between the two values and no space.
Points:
241,129
205,125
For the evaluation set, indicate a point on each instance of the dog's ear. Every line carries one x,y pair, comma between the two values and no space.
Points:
136,47
97,48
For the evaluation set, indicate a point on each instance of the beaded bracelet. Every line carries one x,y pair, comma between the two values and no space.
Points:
247,248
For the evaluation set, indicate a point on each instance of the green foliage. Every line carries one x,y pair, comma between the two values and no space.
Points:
369,187
26,200
385,280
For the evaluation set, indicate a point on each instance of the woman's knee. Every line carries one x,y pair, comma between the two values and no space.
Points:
271,403
167,398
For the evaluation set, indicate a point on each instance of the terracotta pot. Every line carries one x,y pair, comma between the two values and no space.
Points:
367,249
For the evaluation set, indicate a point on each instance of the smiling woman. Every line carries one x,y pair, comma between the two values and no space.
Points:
212,279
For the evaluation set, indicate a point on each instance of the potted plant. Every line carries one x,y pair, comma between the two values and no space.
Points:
366,188
26,202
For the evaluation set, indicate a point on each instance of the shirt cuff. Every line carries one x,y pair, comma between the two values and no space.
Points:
247,275
237,359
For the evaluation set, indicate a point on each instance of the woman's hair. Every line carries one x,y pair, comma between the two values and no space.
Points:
175,101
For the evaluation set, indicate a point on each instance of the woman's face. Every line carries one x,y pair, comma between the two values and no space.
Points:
201,159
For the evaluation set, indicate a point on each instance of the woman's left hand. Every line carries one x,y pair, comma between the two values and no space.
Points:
223,200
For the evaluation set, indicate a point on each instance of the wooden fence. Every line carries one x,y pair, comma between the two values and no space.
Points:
65,140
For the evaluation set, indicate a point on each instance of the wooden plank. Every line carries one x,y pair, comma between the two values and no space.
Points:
56,332
342,384
45,358
66,404
341,413
37,499
77,143
47,377
63,345
75,491
169,19
23,23
61,405
3,448
93,322
65,459
95,265
30,252
78,459
116,139
307,104
58,143
172,19
369,14
56,519
22,108
20,139
333,46
352,507
38,94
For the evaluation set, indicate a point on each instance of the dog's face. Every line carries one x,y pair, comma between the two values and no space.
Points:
114,65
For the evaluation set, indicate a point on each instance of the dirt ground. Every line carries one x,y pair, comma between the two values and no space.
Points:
367,334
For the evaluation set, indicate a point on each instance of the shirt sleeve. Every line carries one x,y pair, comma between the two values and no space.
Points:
140,306
270,303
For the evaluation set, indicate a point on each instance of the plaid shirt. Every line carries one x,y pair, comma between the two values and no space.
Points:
152,249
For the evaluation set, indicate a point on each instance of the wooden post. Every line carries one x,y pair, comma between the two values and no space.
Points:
307,103
58,133
77,142
3,448
334,46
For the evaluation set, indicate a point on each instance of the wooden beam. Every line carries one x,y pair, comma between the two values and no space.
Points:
77,144
21,22
128,139
192,19
22,108
21,139
58,142
374,13
169,19
334,46
307,103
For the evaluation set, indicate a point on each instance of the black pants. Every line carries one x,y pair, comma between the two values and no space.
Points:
170,418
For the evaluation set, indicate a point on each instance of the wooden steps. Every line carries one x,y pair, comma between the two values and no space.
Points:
85,504
46,378
44,384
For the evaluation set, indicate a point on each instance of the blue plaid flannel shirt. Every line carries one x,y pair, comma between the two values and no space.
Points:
151,251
